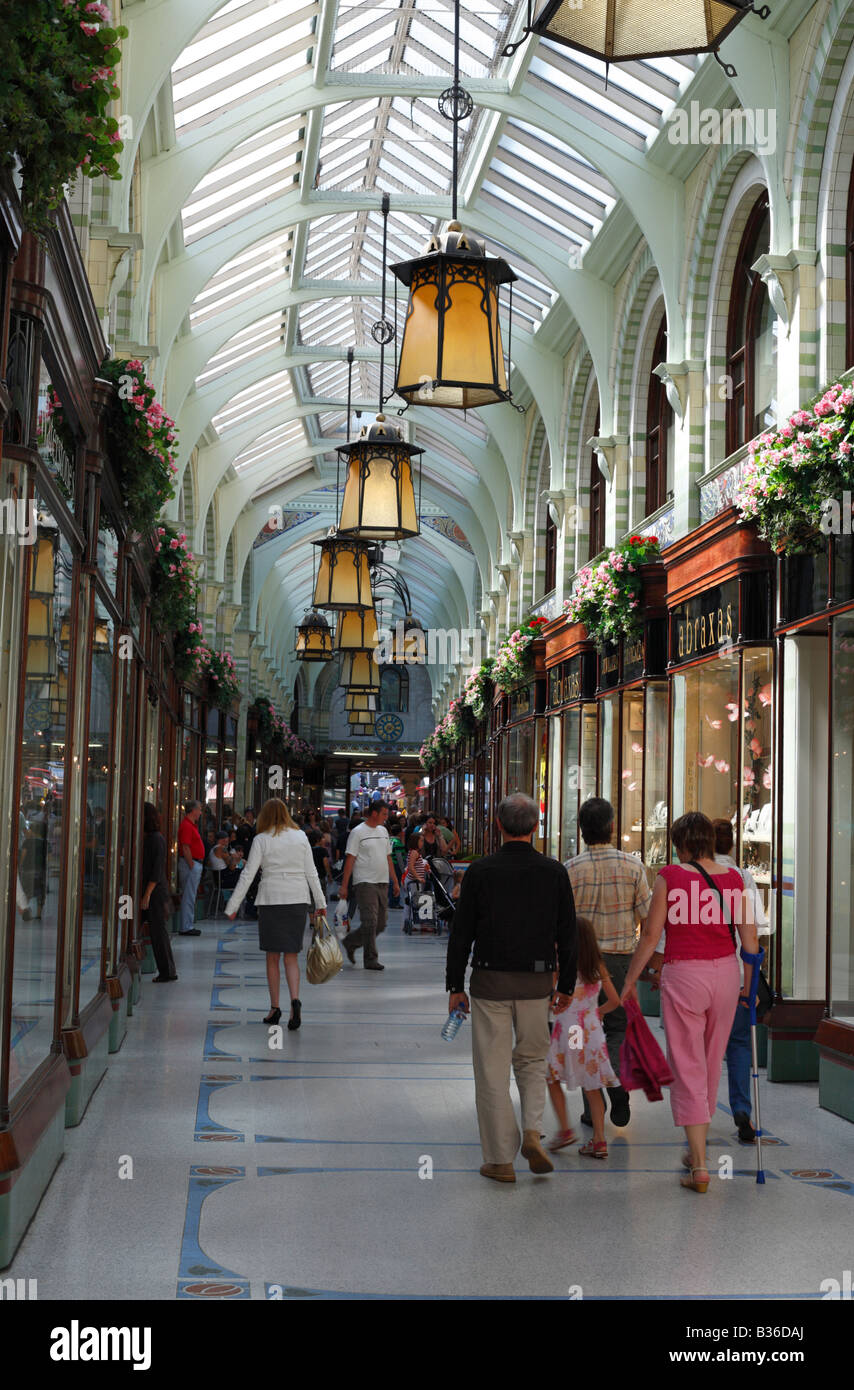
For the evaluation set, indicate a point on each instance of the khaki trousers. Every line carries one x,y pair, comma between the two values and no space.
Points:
494,1023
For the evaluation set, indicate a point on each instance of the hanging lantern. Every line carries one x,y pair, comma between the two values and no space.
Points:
314,638
379,497
343,575
452,354
359,701
619,31
360,672
409,643
356,631
362,730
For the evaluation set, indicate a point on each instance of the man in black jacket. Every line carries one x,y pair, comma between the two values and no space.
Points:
517,918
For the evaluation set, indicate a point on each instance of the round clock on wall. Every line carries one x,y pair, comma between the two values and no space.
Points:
388,727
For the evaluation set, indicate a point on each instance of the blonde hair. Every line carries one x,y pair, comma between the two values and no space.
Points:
274,818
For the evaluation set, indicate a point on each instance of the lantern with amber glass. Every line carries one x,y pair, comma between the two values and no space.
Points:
356,701
343,574
314,638
356,630
360,673
452,354
619,31
379,495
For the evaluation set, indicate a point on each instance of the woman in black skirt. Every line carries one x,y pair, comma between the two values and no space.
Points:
289,882
156,898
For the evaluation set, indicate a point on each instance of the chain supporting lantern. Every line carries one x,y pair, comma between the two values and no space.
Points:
452,353
343,574
621,31
313,638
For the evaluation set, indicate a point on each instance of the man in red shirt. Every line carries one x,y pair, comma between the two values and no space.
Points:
191,850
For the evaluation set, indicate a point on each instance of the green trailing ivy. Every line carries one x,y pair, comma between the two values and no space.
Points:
57,79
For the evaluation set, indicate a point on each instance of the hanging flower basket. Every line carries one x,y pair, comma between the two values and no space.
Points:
59,78
219,670
797,474
513,664
142,441
608,598
478,690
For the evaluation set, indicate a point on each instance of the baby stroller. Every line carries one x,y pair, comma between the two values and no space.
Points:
428,906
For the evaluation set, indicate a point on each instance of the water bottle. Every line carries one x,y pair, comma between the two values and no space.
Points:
453,1024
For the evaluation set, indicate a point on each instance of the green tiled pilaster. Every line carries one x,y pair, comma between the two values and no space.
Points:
836,1086
92,1068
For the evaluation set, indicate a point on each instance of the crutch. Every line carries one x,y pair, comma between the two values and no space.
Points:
755,960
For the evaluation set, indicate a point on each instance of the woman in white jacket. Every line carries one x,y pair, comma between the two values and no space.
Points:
288,879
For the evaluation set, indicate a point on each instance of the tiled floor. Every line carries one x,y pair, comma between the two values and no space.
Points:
263,1173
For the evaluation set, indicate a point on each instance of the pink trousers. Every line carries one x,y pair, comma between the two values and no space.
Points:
698,1003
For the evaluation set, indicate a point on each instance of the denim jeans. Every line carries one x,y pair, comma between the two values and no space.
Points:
738,1063
188,882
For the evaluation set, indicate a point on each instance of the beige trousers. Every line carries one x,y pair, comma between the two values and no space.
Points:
494,1023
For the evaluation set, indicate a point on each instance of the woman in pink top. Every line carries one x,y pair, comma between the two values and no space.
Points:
699,976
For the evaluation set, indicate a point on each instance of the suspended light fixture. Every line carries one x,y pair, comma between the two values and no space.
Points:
313,638
360,672
379,495
343,574
409,646
452,353
356,631
621,31
359,700
362,730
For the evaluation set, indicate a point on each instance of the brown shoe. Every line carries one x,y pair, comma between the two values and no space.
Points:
499,1172
532,1149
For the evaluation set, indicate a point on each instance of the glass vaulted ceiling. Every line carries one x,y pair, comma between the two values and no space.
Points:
277,310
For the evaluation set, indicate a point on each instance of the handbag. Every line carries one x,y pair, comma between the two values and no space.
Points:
323,959
764,996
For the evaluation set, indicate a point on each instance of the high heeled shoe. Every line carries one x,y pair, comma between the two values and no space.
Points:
296,1016
273,1016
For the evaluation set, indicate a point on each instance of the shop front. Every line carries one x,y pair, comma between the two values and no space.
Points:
721,671
521,743
814,1027
573,734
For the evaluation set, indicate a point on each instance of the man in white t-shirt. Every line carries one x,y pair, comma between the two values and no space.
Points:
368,860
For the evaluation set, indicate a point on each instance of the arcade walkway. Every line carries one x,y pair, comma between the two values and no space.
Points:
300,1168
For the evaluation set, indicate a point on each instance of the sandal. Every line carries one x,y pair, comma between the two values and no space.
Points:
595,1149
562,1140
695,1184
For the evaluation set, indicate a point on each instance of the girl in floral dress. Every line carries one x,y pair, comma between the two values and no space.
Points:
578,1055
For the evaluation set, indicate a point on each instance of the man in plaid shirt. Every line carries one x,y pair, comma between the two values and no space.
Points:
610,889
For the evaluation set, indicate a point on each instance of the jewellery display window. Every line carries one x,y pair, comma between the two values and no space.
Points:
466,831
842,820
229,751
656,720
40,819
580,732
610,749
553,797
97,794
722,739
213,761
519,739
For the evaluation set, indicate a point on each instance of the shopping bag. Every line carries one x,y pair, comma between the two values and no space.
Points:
323,959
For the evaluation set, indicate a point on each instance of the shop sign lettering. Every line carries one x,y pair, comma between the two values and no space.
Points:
705,624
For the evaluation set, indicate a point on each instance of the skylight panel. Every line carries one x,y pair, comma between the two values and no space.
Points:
243,346
250,272
252,400
256,171
238,54
275,441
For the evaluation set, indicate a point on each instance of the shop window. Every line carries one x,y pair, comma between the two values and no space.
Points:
97,791
655,778
597,500
550,578
659,432
751,338
394,690
47,656
520,759
842,821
